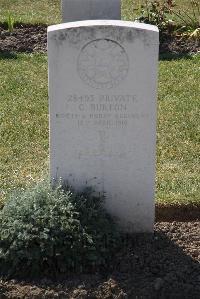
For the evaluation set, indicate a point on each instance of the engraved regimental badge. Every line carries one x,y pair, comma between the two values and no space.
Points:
103,63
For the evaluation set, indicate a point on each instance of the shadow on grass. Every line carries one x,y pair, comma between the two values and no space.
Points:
7,55
173,56
147,266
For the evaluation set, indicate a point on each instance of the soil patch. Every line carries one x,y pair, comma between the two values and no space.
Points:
24,38
182,213
165,264
33,38
178,44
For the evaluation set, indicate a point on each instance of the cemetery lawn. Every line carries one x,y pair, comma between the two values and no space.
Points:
24,126
23,120
31,11
48,11
178,158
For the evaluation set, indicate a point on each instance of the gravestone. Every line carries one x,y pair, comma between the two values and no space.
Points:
78,10
102,92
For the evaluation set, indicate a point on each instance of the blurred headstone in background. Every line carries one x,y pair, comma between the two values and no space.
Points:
78,10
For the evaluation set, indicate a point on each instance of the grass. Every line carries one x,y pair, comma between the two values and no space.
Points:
24,126
23,120
31,11
178,166
48,11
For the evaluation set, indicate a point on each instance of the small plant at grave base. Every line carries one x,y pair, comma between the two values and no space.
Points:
157,13
45,230
10,23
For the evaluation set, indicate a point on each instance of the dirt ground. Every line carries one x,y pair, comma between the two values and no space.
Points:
164,265
33,38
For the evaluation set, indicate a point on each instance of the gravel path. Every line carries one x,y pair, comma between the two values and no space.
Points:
164,265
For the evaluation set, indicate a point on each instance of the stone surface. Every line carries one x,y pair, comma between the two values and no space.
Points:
78,10
102,92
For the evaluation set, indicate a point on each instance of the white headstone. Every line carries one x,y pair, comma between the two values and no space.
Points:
102,92
78,10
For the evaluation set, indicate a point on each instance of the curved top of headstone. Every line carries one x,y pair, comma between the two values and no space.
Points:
99,23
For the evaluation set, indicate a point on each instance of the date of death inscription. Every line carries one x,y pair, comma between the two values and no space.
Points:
105,111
